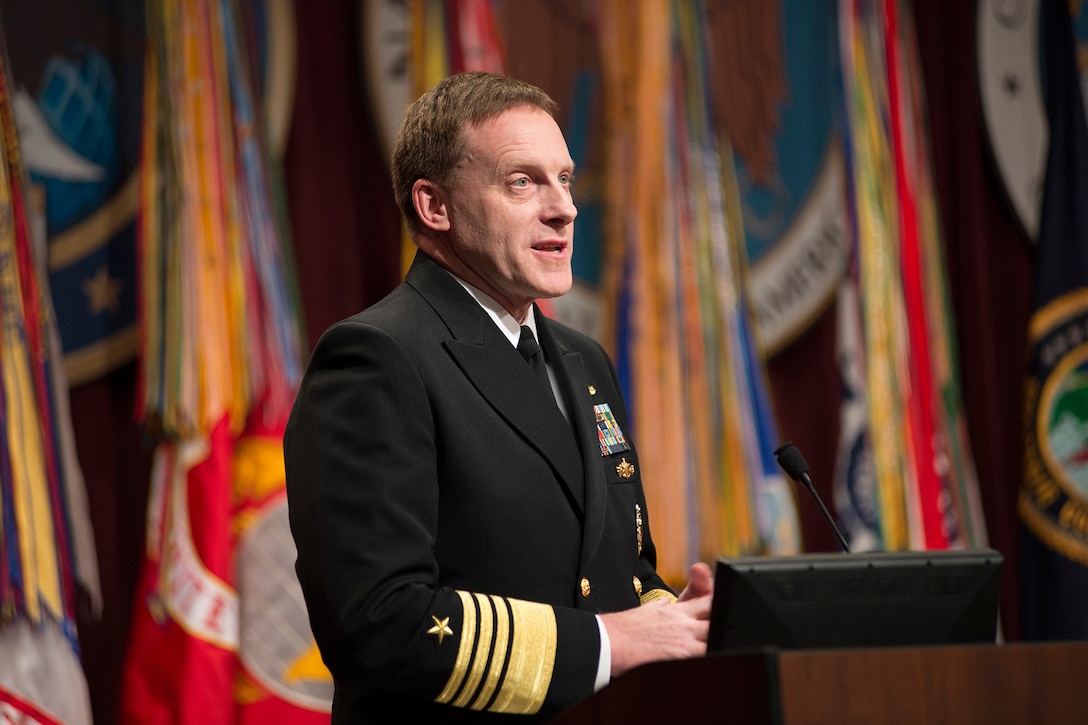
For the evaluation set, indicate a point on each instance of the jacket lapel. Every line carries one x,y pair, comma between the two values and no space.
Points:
573,378
500,374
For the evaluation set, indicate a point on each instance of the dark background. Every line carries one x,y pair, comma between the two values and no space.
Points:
346,234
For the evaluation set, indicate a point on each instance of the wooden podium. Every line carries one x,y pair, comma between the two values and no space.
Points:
963,684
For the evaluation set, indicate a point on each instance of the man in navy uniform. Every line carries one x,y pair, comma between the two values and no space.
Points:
473,539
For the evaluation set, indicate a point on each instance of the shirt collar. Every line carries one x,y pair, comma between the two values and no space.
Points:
498,314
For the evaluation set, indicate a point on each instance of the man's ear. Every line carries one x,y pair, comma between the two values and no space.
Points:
429,200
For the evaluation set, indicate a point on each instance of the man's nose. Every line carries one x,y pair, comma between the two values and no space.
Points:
560,206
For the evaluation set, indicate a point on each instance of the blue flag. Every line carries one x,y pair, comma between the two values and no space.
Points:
1054,499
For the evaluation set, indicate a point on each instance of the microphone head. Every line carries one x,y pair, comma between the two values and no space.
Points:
791,460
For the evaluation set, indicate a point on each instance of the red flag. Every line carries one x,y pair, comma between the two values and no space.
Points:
281,677
180,663
16,710
220,633
921,399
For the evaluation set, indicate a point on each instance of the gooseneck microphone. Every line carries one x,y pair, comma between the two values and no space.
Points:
793,463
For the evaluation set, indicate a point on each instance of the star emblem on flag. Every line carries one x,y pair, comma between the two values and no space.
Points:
102,291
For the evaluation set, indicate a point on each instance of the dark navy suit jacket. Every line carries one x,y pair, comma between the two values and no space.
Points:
456,533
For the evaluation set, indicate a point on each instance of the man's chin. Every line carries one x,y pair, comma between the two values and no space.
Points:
553,291
556,285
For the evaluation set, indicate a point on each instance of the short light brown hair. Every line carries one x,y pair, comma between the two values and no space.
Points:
430,142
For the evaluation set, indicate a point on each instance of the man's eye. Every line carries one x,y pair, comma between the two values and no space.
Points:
521,183
566,178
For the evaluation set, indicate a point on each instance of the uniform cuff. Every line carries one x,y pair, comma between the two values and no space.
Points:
604,661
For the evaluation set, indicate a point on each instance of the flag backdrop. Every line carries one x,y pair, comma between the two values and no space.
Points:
45,542
1054,558
905,476
674,295
988,257
447,37
219,631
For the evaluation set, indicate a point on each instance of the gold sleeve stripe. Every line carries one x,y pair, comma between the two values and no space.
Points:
484,648
498,653
654,594
531,660
505,656
465,649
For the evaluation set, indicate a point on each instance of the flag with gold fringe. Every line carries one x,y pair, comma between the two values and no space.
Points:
906,475
674,289
1054,549
46,547
447,37
219,630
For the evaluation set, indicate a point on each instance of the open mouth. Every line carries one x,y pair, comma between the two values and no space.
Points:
553,247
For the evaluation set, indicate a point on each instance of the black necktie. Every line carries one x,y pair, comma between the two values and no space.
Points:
533,354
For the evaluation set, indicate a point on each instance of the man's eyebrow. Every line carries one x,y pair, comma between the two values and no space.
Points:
512,166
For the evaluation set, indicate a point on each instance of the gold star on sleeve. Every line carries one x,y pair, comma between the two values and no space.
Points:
441,628
506,655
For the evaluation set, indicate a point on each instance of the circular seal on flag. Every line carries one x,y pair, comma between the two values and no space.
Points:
277,647
1010,79
1011,95
1055,499
77,100
78,103
386,37
784,125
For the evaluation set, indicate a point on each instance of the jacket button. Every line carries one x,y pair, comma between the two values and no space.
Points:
637,583
585,587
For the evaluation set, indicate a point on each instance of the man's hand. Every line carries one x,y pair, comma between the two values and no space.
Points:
662,630
700,583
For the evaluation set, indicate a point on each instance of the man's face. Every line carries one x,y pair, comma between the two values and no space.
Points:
510,209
